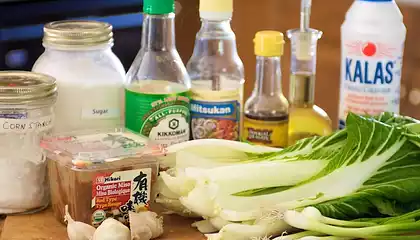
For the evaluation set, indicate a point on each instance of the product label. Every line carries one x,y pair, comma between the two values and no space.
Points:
19,123
370,78
103,103
216,114
116,194
268,133
164,118
100,113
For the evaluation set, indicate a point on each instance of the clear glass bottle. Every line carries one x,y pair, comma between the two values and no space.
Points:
266,111
90,77
306,119
157,89
217,75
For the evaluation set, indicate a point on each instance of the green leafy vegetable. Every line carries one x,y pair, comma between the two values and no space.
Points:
364,181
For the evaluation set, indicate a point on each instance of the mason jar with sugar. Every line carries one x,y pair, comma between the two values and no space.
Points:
89,75
26,115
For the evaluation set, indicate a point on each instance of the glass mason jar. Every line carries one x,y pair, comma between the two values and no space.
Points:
89,75
26,115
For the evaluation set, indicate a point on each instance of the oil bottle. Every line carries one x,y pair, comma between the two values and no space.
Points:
157,91
217,75
266,111
306,119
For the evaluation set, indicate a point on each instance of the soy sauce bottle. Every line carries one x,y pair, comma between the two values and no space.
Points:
266,111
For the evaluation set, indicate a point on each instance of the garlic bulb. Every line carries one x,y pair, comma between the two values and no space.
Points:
77,230
144,222
112,229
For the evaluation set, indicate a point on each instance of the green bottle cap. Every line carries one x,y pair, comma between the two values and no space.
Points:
158,7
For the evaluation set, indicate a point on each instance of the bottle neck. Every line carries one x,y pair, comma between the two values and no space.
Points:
302,90
215,38
158,32
303,67
268,76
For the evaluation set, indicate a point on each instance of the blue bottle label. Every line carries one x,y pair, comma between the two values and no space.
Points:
215,114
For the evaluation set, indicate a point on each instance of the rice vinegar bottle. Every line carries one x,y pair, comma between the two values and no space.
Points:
266,111
157,91
217,75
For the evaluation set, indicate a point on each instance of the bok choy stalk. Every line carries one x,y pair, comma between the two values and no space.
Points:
230,168
212,152
312,220
209,153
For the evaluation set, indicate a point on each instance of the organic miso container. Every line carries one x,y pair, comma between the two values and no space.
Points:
26,115
100,174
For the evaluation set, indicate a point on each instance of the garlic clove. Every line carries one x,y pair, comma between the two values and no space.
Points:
77,230
111,229
146,219
141,233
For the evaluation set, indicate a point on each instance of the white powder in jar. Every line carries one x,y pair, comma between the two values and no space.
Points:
23,185
90,79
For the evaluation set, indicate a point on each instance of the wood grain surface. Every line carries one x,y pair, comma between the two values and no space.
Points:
43,226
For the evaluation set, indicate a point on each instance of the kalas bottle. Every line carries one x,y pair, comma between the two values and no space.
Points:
372,45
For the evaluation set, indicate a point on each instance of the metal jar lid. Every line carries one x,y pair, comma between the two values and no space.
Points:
18,87
72,33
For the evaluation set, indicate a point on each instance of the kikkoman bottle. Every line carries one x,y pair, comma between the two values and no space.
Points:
372,45
157,92
266,111
217,75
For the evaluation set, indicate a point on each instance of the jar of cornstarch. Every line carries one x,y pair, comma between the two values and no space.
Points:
26,115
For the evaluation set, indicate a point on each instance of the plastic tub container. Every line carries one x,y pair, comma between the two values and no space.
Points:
100,174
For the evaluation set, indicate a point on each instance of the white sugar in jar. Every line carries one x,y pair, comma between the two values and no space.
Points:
90,77
26,115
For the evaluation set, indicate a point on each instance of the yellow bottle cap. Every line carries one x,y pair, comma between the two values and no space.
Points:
269,44
216,9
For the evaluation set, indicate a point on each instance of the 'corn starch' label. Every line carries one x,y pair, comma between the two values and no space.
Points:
370,78
215,114
164,118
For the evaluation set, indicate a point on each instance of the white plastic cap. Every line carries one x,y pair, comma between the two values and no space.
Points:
216,9
216,16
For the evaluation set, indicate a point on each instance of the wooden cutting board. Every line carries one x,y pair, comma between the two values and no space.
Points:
43,226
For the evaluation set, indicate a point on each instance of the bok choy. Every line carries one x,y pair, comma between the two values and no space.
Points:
371,170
